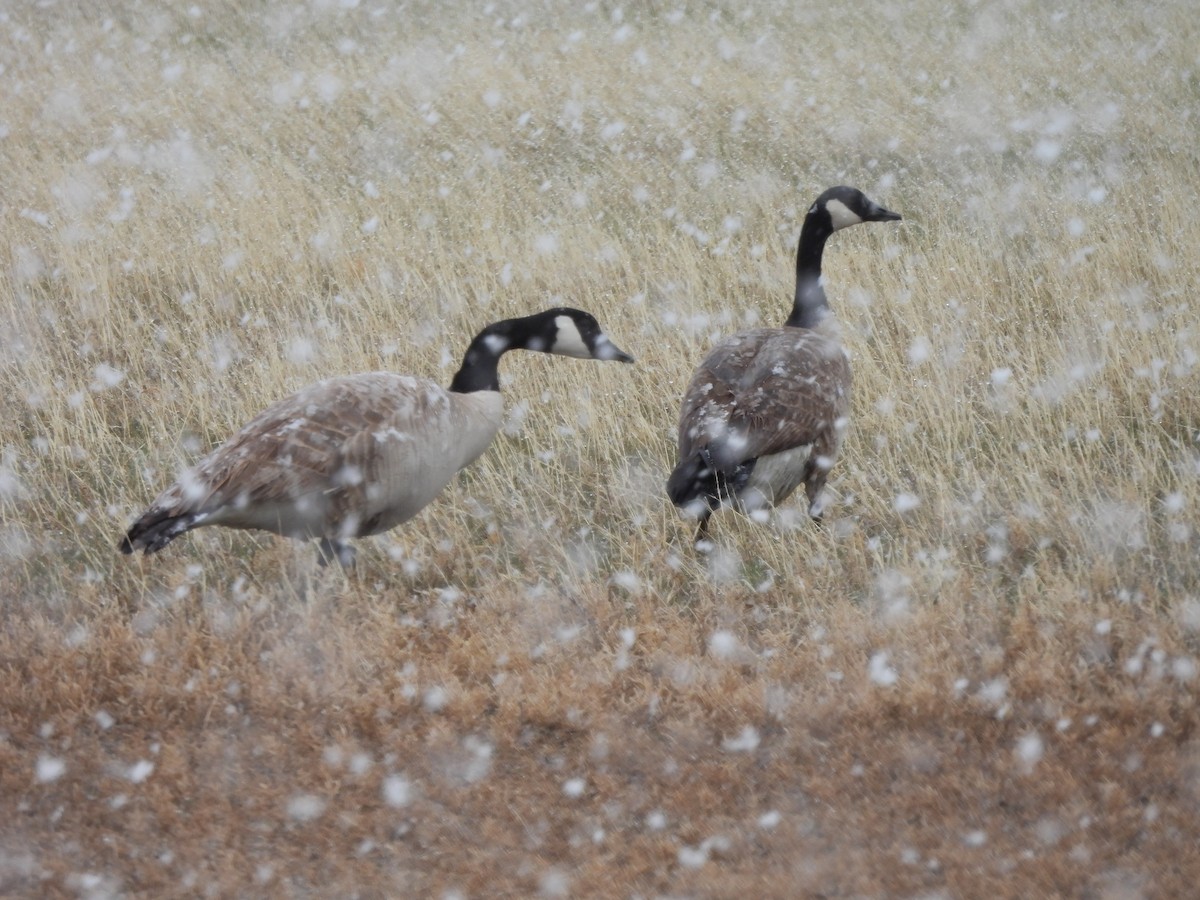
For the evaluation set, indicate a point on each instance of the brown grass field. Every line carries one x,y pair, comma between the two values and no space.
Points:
978,679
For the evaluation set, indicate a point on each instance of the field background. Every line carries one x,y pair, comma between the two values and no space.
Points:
977,680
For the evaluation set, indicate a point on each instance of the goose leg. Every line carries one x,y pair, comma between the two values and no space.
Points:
813,488
330,550
816,471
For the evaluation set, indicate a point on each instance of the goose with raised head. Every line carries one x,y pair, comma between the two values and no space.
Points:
767,408
357,455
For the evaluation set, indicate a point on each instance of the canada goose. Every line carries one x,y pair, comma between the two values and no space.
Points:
357,455
766,410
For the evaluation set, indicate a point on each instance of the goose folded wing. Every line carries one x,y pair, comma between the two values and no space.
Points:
763,393
297,446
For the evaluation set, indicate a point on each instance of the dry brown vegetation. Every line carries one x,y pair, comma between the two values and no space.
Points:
977,680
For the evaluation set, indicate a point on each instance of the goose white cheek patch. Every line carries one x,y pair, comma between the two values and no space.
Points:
568,341
841,215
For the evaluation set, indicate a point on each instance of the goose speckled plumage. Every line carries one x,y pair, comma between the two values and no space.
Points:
767,408
358,455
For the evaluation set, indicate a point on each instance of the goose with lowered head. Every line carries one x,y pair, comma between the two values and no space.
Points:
357,455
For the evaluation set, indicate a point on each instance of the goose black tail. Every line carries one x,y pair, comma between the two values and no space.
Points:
691,480
699,478
154,530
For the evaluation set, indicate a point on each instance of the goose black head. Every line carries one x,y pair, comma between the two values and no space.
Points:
837,208
578,334
561,330
843,206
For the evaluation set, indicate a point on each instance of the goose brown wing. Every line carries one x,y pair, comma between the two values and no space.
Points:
298,446
764,391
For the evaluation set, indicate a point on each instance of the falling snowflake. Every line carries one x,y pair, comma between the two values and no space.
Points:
880,672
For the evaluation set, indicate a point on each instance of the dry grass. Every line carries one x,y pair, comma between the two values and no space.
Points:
987,693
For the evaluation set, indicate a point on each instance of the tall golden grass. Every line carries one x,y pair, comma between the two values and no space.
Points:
976,680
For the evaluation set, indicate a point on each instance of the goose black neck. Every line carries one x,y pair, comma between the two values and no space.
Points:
479,369
810,304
